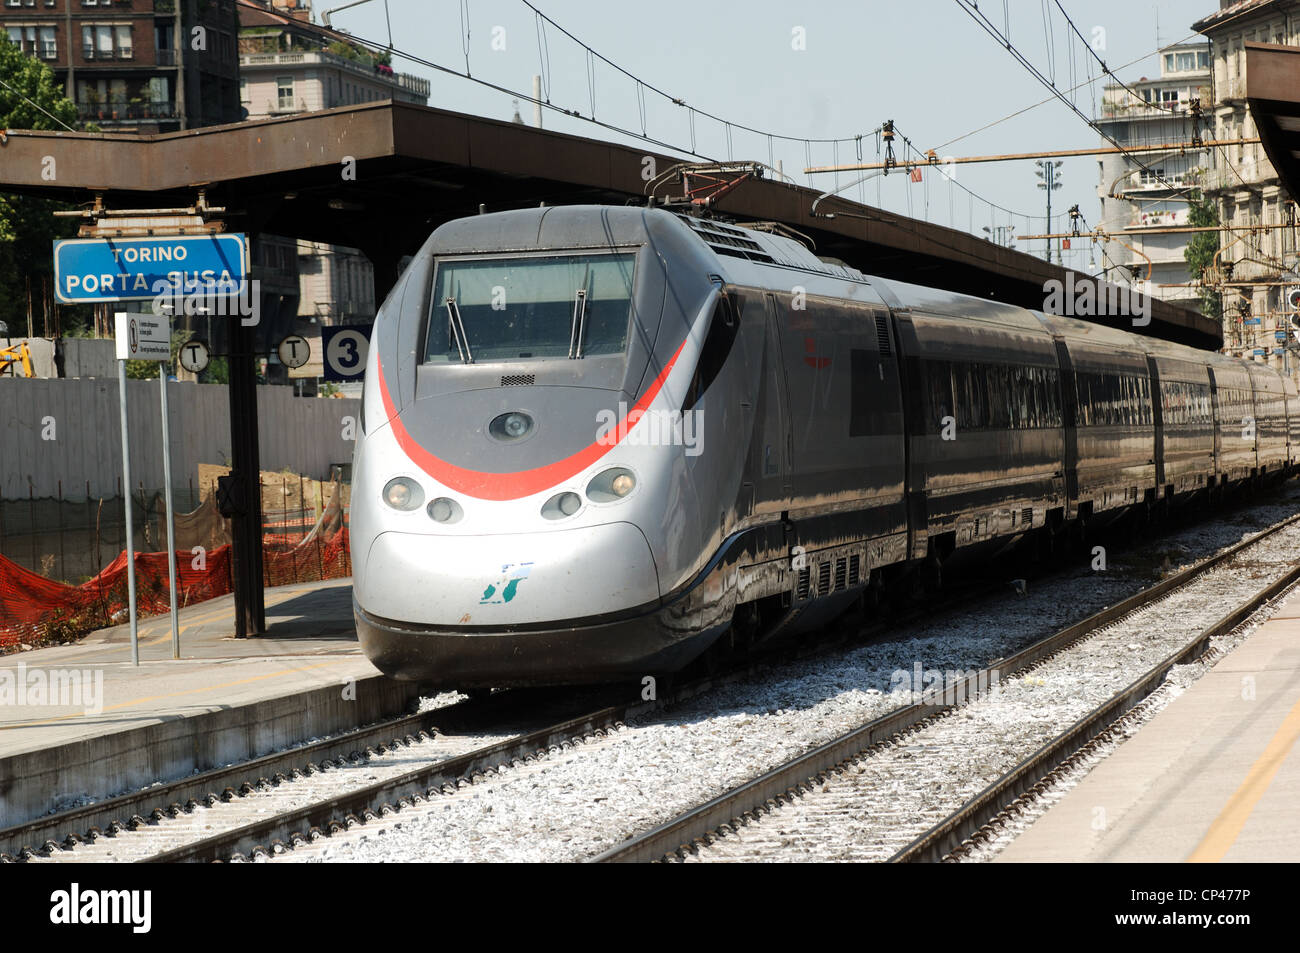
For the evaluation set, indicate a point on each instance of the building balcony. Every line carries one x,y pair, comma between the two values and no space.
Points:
415,85
164,6
98,56
120,112
165,57
1142,111
1247,174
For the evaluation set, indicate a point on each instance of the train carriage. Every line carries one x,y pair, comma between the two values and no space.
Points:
1111,452
984,424
1269,416
1185,420
1235,424
597,439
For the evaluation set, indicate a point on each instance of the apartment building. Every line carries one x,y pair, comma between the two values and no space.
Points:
136,65
288,64
1255,267
1140,199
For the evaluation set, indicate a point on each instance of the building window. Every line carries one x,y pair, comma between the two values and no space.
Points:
160,90
103,42
125,45
284,92
49,46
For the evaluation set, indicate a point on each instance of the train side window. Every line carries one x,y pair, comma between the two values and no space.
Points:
1021,383
999,407
1052,387
718,341
938,377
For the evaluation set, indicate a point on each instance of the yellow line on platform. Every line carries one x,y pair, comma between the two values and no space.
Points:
1227,826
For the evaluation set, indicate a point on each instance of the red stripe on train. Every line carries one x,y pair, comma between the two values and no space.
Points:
513,486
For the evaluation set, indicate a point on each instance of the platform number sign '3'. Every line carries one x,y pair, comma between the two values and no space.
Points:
345,352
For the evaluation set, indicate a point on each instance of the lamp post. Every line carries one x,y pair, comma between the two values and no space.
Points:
1049,179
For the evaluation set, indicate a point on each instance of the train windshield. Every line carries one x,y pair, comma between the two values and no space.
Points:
545,306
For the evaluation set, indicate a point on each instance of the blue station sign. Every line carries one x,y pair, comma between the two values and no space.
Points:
136,269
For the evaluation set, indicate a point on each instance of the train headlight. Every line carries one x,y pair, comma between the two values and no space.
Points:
403,493
561,505
609,486
511,426
444,510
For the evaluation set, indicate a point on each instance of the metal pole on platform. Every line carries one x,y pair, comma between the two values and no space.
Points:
167,497
126,498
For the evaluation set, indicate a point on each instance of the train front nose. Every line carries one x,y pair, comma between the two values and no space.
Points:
510,608
510,579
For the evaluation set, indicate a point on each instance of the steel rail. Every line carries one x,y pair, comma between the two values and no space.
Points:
126,811
939,841
387,794
92,820
786,780
133,809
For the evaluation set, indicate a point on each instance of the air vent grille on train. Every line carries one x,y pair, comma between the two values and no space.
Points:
517,380
726,240
882,335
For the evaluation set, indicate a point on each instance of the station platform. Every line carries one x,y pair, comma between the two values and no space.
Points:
115,726
1214,776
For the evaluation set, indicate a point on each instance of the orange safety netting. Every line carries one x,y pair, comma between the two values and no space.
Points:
33,608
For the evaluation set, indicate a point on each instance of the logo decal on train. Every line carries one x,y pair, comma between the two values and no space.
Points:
506,586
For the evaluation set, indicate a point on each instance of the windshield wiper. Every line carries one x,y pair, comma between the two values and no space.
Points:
456,328
578,324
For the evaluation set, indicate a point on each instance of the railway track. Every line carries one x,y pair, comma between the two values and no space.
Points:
292,797
751,811
1009,793
166,823
442,730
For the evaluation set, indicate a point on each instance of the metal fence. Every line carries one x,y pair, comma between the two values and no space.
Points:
72,540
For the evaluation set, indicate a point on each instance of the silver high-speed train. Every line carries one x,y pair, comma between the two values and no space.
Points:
595,439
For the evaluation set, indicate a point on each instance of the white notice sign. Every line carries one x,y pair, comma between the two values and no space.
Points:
143,337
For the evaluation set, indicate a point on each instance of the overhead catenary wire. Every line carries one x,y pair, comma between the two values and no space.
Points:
1043,102
1227,160
666,95
594,57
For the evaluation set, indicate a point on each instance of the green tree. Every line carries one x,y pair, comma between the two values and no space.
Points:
29,99
217,372
1201,249
142,370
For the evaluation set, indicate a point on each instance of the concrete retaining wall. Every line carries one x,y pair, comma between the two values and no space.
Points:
33,781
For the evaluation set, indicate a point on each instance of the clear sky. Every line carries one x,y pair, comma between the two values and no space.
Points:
925,64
